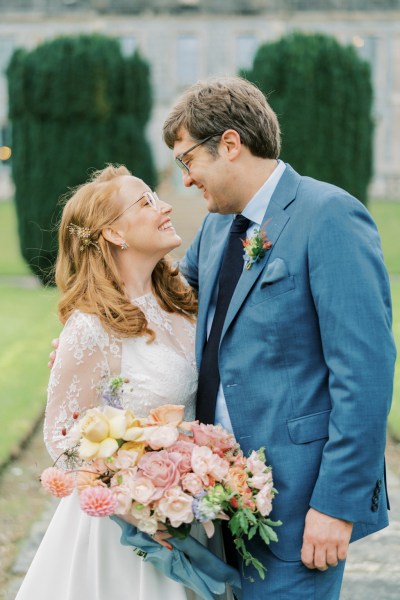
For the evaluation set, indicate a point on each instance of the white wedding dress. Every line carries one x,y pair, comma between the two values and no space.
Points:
81,557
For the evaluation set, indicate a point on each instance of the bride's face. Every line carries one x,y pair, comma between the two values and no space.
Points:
145,221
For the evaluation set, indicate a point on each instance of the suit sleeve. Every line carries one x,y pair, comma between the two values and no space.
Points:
351,293
189,265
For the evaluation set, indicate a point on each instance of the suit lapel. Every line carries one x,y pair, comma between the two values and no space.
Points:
275,219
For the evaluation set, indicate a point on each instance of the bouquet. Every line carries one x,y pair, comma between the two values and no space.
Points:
160,469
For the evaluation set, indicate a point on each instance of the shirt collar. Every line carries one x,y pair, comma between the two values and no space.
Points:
255,209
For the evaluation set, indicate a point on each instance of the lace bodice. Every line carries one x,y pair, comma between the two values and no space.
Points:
163,371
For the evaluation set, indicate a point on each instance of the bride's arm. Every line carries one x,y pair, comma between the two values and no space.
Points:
80,364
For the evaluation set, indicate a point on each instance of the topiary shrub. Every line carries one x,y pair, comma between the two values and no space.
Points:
322,94
75,105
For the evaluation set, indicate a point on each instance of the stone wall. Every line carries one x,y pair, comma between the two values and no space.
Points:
184,47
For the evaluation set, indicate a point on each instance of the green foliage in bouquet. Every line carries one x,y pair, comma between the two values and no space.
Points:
322,94
75,105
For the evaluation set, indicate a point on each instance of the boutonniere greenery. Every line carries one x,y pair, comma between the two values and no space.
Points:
255,247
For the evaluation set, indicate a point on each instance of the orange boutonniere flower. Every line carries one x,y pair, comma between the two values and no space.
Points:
255,247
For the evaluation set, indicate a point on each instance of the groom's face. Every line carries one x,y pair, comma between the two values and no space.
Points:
210,174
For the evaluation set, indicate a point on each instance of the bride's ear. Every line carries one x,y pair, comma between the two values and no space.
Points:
112,235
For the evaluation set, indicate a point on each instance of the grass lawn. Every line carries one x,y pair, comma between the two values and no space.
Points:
28,322
387,218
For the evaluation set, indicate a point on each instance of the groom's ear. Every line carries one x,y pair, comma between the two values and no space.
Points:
230,144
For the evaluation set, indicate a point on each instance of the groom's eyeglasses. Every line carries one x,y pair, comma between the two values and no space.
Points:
152,200
178,159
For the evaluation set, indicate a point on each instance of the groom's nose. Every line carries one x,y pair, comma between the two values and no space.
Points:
187,180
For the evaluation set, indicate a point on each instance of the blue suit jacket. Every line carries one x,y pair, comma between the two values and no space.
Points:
307,355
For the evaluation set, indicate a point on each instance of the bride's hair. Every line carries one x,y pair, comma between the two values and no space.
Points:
86,272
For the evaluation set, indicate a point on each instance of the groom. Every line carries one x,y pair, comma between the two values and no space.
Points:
296,352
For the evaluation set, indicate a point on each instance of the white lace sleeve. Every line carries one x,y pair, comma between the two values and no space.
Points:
83,358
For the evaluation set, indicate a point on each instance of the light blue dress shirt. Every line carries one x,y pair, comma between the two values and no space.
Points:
254,211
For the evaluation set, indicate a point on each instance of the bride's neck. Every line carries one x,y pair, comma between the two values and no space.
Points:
135,273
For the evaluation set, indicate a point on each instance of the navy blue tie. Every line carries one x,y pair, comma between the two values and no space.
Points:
231,269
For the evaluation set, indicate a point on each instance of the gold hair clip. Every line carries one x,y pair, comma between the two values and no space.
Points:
84,235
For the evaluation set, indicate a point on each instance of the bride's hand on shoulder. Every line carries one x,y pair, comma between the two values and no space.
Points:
53,353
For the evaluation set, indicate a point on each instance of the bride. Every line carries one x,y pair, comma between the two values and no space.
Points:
125,311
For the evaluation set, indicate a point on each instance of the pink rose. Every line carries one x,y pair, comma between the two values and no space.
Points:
176,506
254,464
192,483
142,490
264,500
162,436
213,436
185,450
162,469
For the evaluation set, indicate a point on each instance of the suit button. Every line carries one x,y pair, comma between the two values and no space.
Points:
374,508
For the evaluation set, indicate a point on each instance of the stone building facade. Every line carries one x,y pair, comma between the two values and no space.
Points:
185,40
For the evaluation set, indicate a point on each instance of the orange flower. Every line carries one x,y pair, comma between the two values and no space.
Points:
237,480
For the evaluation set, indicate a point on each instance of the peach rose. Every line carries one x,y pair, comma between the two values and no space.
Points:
237,479
176,506
168,413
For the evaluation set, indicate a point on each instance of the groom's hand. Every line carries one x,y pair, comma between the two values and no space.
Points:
325,540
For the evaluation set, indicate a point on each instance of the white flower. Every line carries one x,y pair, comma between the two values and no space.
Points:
176,506
161,436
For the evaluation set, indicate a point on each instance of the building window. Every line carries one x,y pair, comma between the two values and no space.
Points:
246,46
187,59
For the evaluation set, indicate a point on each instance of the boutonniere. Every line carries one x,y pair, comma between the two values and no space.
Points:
255,247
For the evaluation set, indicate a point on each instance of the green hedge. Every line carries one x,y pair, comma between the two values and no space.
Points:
75,105
322,94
